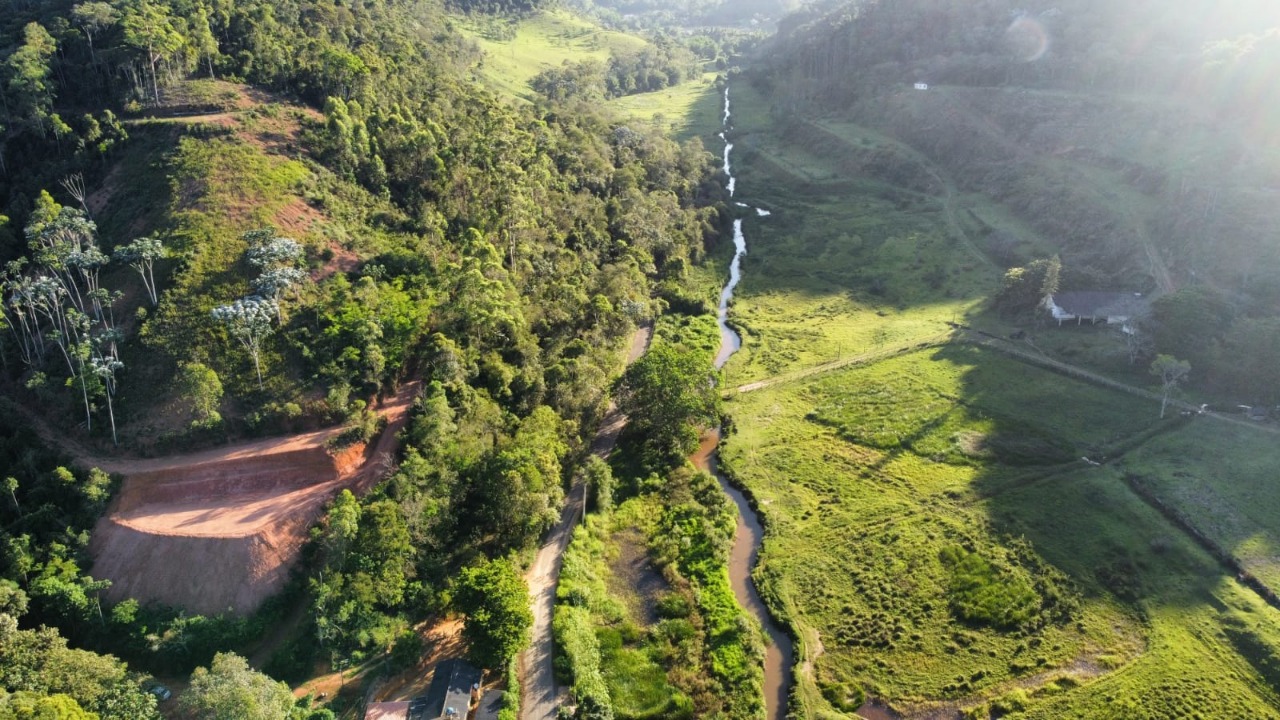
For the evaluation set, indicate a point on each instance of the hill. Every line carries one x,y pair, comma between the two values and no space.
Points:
1121,138
247,225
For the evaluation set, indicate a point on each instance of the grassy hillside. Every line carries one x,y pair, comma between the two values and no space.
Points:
933,534
516,50
690,109
849,261
1219,478
1146,166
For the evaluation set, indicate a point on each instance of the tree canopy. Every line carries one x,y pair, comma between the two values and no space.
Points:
230,690
495,600
669,397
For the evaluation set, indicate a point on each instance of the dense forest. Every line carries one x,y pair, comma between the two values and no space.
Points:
158,297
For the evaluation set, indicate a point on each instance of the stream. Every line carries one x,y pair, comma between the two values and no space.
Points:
750,533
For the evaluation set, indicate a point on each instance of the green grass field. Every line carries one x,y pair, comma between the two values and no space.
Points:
543,41
1222,478
516,51
691,109
846,263
933,535
872,479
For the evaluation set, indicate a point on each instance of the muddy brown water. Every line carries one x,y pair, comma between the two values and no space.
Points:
746,549
750,533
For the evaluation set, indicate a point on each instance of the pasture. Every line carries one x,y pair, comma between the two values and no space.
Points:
846,263
517,50
1221,478
933,535
932,530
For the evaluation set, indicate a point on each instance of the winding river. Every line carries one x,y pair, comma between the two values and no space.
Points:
750,533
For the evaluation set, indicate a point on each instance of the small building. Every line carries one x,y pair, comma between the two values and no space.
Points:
454,687
922,86
1113,308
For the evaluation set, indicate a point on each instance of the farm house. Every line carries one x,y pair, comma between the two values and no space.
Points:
1113,308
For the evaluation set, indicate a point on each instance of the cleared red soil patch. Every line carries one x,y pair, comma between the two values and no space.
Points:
220,530
298,219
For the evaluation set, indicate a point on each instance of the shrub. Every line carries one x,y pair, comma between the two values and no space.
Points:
577,638
1011,702
845,697
673,605
407,650
981,593
510,709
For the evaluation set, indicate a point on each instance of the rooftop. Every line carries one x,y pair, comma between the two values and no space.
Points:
1098,304
450,691
387,711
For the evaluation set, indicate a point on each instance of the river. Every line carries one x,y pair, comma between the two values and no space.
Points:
750,533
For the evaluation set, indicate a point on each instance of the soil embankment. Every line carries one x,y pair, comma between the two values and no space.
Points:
219,530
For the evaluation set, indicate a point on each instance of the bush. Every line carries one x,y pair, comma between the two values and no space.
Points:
1011,702
981,593
510,709
845,697
407,650
673,605
575,633
293,661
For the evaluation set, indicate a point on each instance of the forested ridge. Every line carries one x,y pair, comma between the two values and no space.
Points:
161,293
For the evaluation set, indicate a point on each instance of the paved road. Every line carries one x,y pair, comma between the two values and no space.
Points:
542,696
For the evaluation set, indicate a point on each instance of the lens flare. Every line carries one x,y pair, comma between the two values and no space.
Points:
1027,39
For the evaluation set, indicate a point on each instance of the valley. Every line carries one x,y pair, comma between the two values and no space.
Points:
660,360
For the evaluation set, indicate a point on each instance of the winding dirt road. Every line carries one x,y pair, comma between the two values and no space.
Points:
542,696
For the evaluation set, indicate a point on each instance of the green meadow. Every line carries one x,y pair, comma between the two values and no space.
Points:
934,540
517,50
691,109
1221,479
934,537
844,264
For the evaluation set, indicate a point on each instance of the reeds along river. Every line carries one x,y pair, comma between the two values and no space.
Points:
749,535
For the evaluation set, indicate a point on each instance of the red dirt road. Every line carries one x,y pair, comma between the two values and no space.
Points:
220,530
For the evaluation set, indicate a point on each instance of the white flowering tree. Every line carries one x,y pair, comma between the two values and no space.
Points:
273,252
141,255
274,283
105,367
248,320
277,260
55,300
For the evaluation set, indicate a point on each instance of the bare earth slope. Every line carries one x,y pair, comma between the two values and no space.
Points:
219,530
